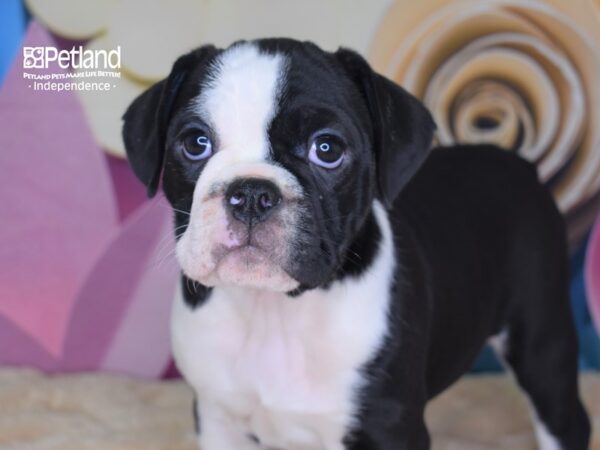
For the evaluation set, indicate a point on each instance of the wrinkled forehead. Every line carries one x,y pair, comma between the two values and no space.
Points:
239,97
252,85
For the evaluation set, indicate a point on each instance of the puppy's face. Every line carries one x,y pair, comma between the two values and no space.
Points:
273,158
270,151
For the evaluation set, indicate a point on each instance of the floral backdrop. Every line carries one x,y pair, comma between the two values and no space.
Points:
87,272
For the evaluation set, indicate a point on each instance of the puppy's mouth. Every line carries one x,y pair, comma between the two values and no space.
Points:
247,255
246,241
251,264
254,256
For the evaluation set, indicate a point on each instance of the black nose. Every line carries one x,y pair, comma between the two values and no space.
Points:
252,200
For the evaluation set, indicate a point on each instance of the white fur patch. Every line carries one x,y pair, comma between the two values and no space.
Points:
544,439
240,99
285,370
499,344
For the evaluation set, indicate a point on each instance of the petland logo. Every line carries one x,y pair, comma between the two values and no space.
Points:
76,58
72,68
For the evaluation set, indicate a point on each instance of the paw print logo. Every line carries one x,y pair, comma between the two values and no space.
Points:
33,57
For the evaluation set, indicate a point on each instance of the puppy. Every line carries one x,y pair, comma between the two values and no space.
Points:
336,273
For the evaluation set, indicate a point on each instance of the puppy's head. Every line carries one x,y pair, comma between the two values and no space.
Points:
271,153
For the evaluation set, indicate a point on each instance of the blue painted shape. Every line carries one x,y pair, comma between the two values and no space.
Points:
487,362
13,22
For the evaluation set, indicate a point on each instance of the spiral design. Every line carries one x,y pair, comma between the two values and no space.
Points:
524,75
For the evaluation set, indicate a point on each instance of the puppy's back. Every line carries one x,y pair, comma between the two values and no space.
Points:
485,227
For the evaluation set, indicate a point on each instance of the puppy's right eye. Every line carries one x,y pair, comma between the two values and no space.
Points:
197,146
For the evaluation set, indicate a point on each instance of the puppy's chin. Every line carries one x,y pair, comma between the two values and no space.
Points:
250,266
244,266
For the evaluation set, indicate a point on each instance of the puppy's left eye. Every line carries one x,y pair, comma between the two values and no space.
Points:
197,146
327,151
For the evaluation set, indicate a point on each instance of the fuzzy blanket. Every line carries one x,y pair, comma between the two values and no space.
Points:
108,412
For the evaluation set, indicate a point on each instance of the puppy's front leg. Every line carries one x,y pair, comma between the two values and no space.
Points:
405,431
217,430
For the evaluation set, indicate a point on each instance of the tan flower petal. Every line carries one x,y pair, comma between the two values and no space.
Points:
329,24
104,109
73,19
153,34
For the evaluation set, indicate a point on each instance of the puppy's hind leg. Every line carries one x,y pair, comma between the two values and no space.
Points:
539,345
545,367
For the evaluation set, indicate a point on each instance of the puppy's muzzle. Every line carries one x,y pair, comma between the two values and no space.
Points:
252,200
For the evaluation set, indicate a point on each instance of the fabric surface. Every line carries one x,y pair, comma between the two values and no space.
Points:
99,412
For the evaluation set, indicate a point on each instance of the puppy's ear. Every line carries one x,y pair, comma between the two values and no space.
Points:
146,120
402,127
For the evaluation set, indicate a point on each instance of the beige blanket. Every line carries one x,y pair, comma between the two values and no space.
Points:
107,412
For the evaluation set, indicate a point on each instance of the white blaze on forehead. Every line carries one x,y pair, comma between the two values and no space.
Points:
240,99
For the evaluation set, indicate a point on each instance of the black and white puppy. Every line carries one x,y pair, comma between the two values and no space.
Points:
336,273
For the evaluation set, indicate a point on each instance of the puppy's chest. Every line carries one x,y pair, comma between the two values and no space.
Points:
286,370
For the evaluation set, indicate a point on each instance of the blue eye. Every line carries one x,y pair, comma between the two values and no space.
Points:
327,151
197,146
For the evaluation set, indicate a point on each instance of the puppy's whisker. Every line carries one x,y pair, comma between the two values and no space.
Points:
171,208
166,249
166,246
159,262
350,255
167,240
181,211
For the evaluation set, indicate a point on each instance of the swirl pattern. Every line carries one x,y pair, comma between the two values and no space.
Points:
523,75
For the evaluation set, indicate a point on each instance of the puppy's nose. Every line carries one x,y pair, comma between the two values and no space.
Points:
252,200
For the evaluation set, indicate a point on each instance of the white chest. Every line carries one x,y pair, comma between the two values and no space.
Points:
285,370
